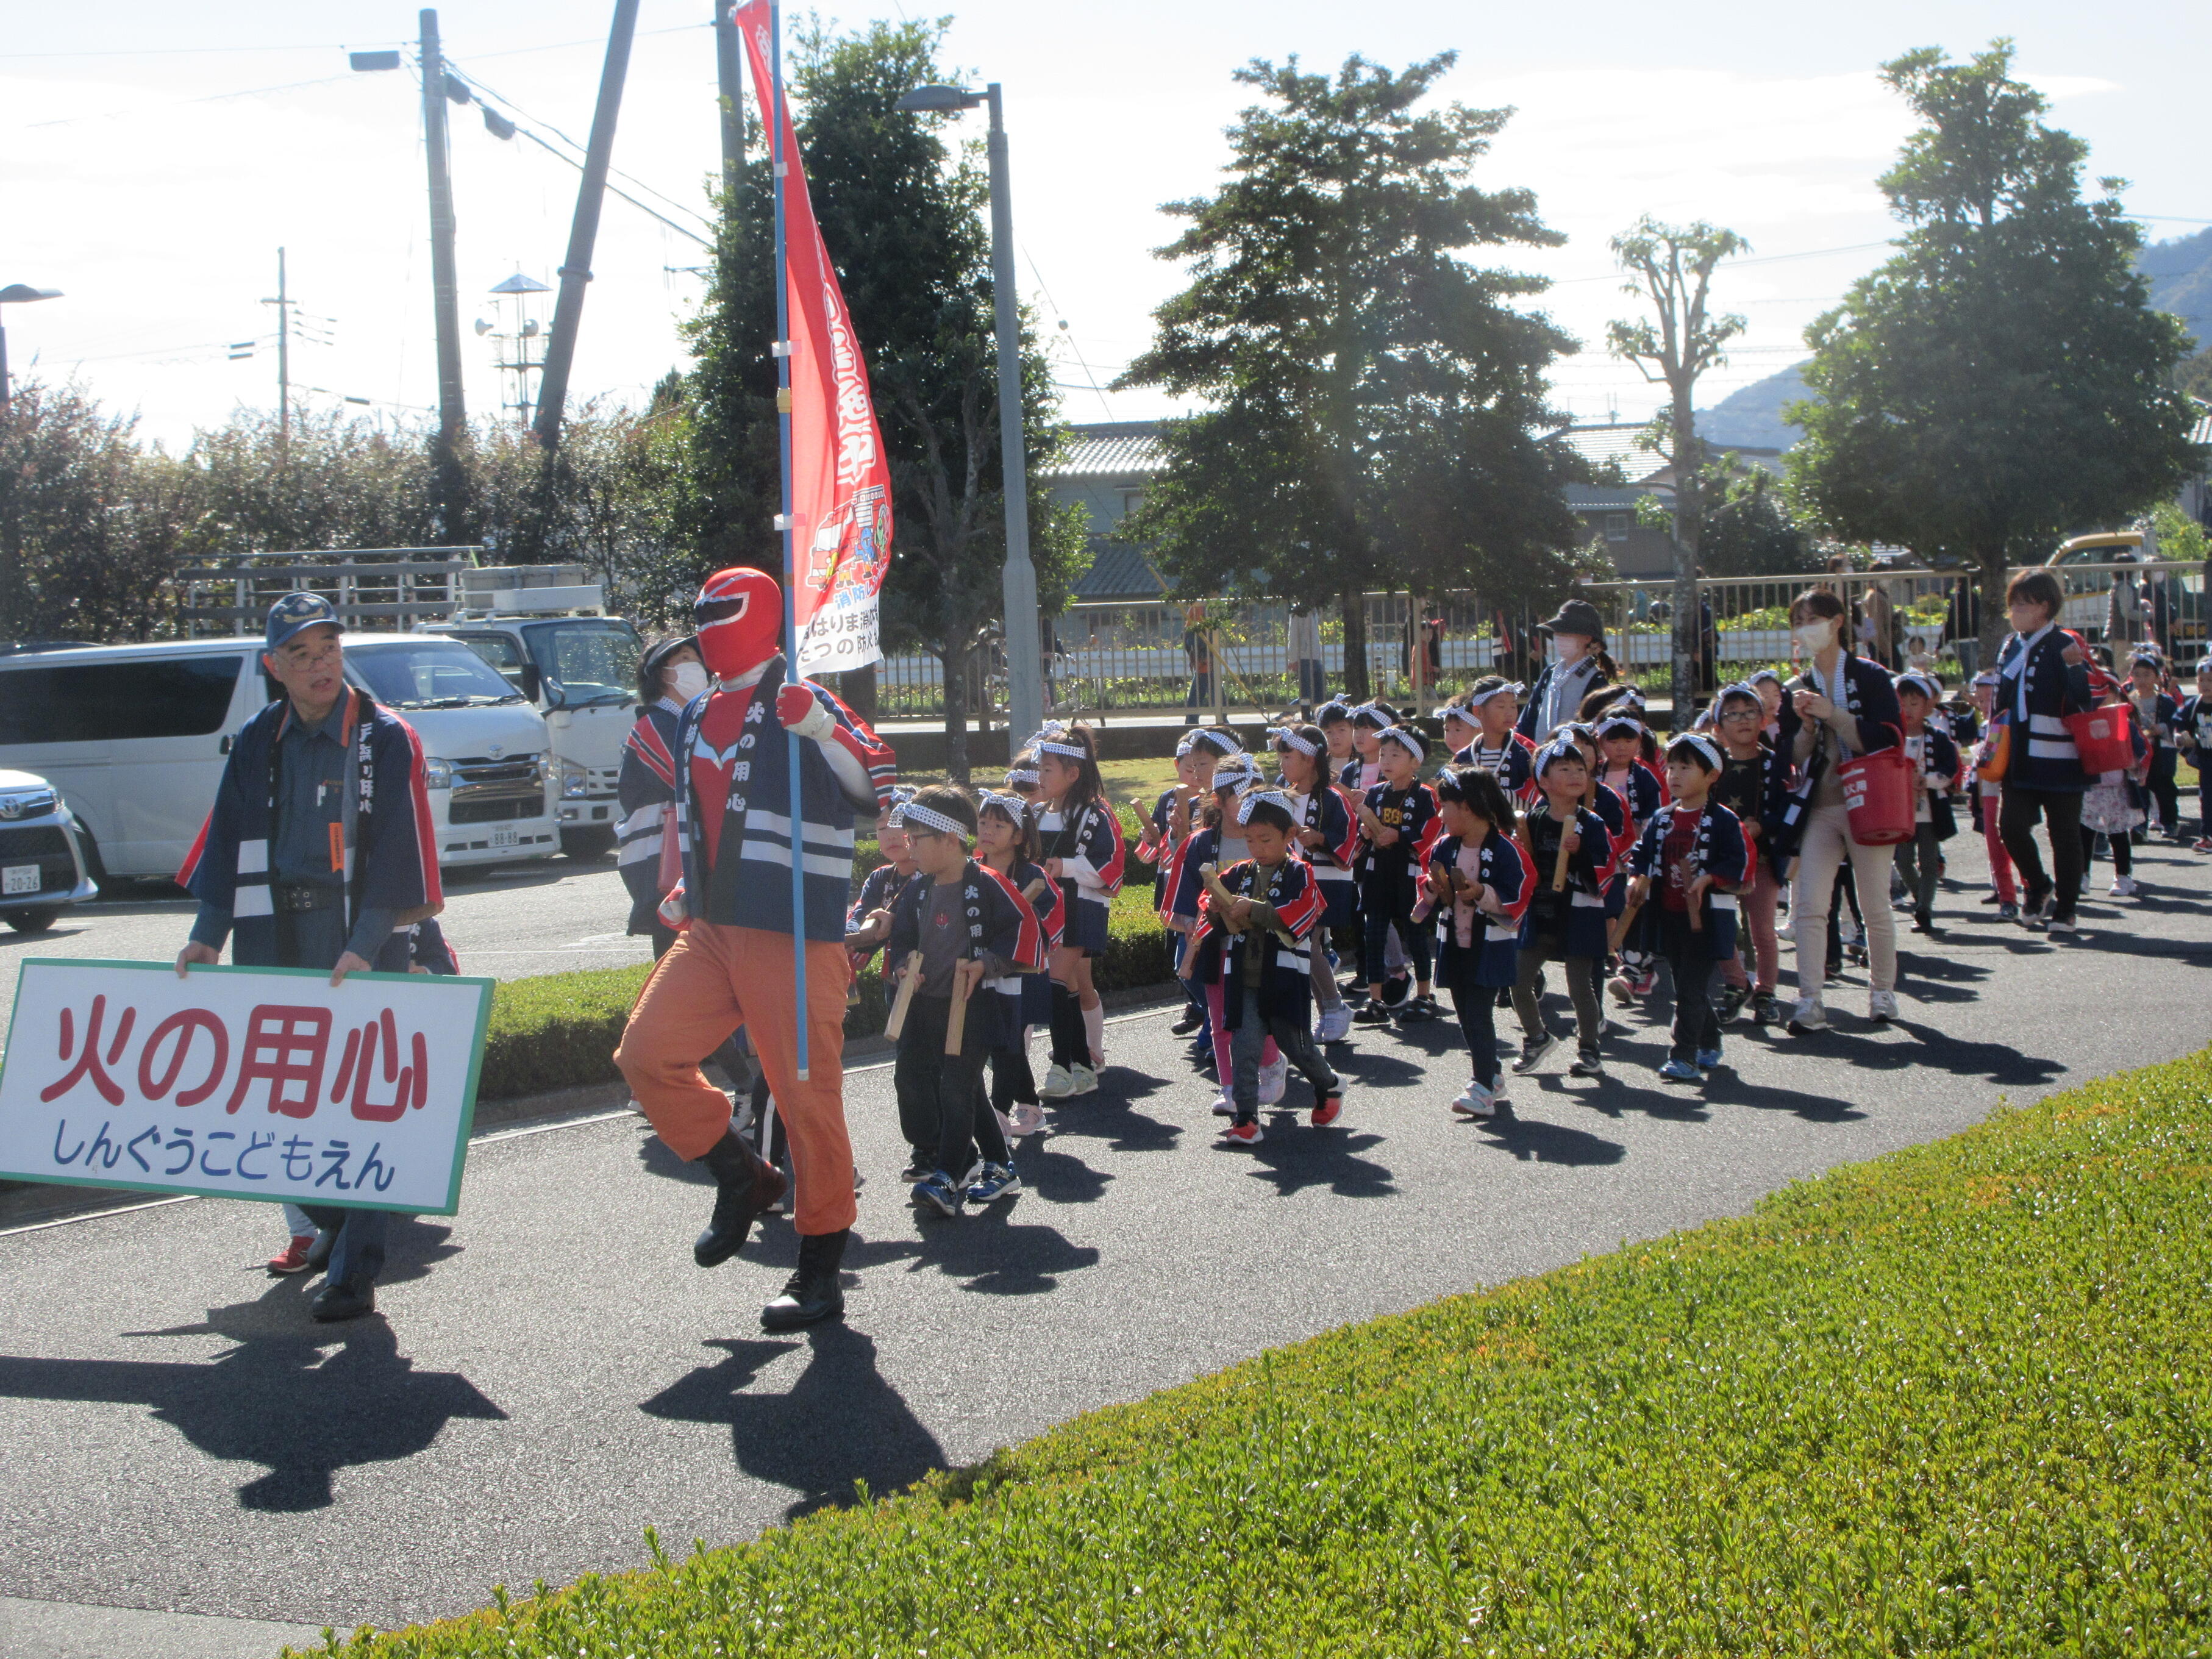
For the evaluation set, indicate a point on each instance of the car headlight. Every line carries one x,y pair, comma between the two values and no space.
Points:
438,774
575,781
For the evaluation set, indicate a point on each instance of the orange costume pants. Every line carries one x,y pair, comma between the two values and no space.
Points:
712,979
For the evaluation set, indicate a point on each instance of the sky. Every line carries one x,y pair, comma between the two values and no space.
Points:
153,158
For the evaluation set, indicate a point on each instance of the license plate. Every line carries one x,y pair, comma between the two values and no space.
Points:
19,879
503,837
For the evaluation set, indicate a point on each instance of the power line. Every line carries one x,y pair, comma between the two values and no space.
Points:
175,52
181,103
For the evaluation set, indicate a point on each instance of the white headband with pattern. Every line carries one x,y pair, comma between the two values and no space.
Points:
1455,711
1022,774
930,818
1012,806
1282,735
1476,699
1559,748
1610,723
1235,773
1920,683
1272,797
1047,740
1703,745
1377,714
1407,739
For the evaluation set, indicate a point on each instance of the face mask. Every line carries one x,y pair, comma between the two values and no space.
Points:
689,680
1568,649
1814,636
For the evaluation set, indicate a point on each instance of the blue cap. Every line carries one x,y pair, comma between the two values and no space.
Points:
295,611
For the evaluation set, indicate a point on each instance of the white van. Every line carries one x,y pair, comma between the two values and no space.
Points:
134,737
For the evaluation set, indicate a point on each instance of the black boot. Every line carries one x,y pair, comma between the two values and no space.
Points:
813,1293
747,1184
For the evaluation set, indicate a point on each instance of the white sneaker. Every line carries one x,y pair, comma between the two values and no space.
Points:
1336,1023
2123,887
1057,1084
1224,1106
1475,1101
1808,1016
1026,1119
1081,1080
1882,1005
1274,1078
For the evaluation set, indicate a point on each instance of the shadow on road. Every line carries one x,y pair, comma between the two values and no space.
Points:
839,1424
282,1398
1533,1141
1295,1157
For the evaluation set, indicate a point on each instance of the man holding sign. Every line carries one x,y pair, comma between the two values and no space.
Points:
733,962
319,854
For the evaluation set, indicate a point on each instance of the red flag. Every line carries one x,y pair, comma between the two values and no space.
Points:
841,479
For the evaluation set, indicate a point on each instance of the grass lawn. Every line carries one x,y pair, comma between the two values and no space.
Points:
1957,1400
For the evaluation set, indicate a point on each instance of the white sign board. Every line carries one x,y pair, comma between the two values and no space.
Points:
243,1082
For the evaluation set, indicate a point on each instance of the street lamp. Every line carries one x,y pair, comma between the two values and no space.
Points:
1024,668
16,294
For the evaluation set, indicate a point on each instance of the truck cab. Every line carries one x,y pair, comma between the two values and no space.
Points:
544,629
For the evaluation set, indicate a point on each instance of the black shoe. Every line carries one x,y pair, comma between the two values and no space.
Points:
336,1302
1194,1020
919,1167
1506,996
319,1253
1763,1010
1396,989
812,1293
1416,1009
1730,1003
1371,1014
746,1187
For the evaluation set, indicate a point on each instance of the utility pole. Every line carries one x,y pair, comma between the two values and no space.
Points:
583,233
733,105
444,284
283,304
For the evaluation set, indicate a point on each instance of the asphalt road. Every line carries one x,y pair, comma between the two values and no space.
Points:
508,920
548,1373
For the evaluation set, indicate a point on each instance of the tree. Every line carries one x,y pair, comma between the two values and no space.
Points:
901,218
2002,379
1672,268
1749,528
1373,395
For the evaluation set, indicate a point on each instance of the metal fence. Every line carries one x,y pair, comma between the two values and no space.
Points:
1139,659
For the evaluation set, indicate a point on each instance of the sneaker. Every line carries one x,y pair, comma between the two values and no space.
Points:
1856,955
997,1181
1730,1003
1681,1070
1708,1058
1882,1005
293,1258
1923,924
1057,1084
2008,912
1224,1105
1397,988
2123,887
937,1192
1371,1014
1081,1080
1475,1101
1192,1019
1645,983
1764,1009
1417,1009
1587,1063
1334,1025
2202,844
1532,1052
1274,1078
1244,1133
2061,926
1808,1016
918,1166
1621,988
1026,1119
1329,1109
1991,898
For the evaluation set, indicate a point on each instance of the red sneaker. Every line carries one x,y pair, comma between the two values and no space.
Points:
1327,1110
1242,1134
295,1257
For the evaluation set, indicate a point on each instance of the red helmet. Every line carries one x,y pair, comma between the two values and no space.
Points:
740,616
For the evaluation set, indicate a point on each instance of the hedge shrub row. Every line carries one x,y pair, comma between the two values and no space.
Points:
1955,1400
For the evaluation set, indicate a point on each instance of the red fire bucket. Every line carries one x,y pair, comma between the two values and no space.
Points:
1878,789
2103,738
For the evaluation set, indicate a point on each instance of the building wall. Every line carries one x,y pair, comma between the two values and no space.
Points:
1106,499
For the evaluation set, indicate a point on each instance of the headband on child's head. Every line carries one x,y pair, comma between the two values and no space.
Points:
1759,674
1455,711
1336,709
1611,724
1012,806
1703,744
930,818
1920,683
1227,743
1380,716
2147,655
1562,747
1741,688
1989,677
1028,774
1052,739
1407,739
1272,797
895,812
1280,736
1236,772
1476,699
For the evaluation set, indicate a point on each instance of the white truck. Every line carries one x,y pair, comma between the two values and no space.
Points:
542,628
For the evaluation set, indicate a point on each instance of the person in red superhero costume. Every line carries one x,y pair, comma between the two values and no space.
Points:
733,961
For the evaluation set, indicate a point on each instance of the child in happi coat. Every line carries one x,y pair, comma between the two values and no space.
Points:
2157,716
2193,724
1933,751
1686,865
2114,805
1218,840
868,921
1629,770
1982,762
1497,747
1399,816
1753,784
1170,823
1483,882
971,926
1334,719
1458,724
1566,924
1007,841
1326,835
1081,839
1256,949
1369,722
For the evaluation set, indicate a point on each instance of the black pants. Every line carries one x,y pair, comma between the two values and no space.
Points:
1292,1040
2123,849
1477,1008
1919,861
1012,1080
941,1094
1696,1025
2164,791
1383,906
2060,810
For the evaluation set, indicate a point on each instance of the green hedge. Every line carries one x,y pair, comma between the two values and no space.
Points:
560,1031
1958,1400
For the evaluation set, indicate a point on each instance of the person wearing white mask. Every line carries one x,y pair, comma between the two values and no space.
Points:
669,676
1577,666
1840,705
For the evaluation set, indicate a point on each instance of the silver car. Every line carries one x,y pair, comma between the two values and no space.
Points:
41,863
